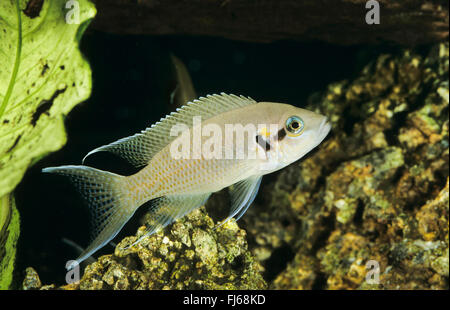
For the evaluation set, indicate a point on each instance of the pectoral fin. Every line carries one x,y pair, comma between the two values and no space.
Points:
242,195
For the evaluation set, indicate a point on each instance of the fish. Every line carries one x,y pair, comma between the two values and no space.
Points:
211,143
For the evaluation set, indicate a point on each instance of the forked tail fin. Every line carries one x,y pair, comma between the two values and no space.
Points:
110,203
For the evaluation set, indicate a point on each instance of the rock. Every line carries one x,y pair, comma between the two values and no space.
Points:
375,190
343,260
299,275
431,218
31,281
189,254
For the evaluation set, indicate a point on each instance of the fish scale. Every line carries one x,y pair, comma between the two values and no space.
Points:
176,186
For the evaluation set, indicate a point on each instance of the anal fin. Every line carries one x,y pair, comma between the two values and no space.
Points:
167,209
242,195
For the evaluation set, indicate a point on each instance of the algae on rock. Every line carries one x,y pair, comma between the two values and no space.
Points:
189,254
376,188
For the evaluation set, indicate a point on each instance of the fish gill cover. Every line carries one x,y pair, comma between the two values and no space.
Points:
42,77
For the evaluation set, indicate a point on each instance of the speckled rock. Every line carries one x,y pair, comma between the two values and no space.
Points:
190,254
31,280
376,190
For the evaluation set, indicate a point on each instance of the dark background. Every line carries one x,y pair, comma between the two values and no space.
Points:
132,82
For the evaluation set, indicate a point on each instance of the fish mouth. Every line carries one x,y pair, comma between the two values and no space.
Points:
324,129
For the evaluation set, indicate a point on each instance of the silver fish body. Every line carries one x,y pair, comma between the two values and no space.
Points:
205,146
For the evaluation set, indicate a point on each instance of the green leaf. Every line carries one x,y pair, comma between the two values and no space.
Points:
42,77
9,232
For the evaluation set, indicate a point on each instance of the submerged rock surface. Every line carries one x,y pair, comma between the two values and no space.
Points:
374,194
190,254
377,190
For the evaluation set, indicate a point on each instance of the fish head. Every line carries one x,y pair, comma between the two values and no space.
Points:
299,131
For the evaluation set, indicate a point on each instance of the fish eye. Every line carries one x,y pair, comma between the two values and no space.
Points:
294,126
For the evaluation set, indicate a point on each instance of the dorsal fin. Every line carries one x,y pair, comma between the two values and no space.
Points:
141,147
